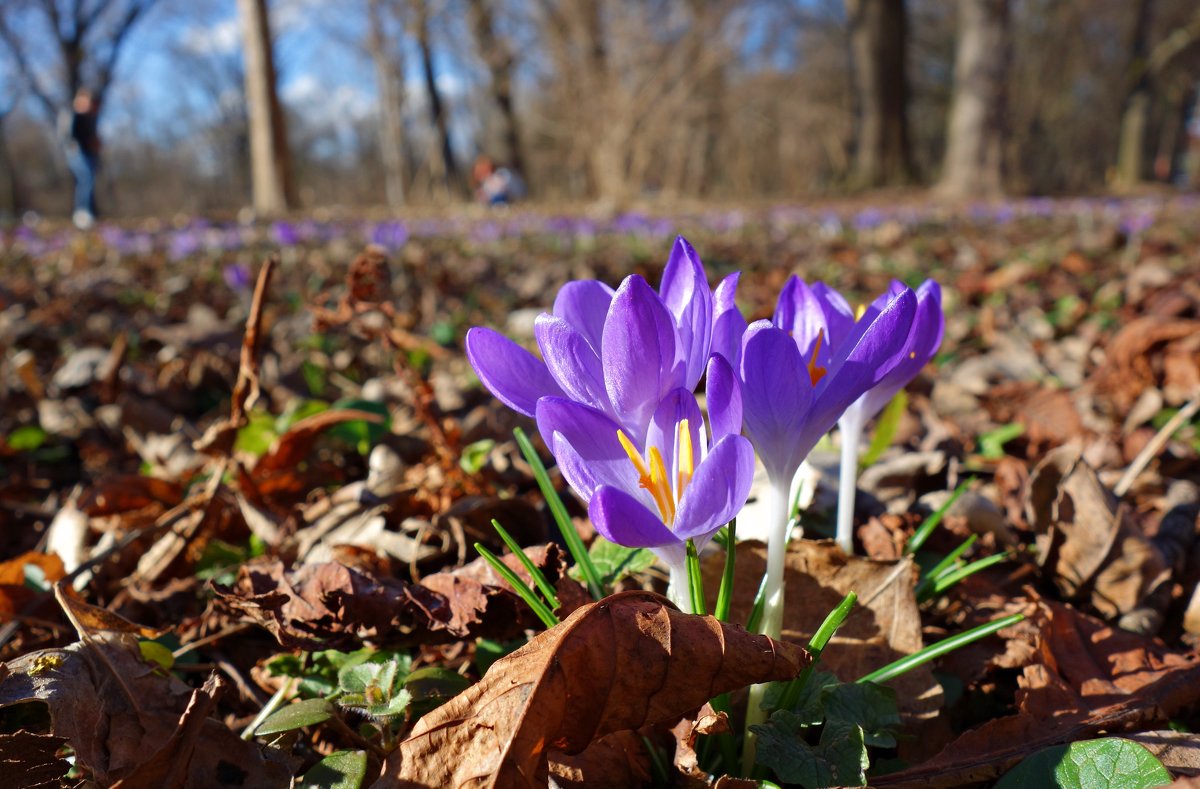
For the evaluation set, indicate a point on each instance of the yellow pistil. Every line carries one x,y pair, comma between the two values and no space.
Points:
685,459
816,372
861,311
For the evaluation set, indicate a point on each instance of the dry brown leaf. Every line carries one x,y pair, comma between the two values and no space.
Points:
330,605
628,661
883,627
14,593
89,619
1132,354
30,761
118,711
1179,751
125,492
706,721
614,761
1091,550
296,444
1088,678
168,767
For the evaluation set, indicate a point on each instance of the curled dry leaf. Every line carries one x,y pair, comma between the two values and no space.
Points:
118,712
1087,678
628,661
330,605
1091,549
705,721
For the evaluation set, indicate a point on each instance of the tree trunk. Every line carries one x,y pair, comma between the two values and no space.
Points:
9,172
974,163
607,148
878,40
1135,110
499,60
390,76
437,111
270,176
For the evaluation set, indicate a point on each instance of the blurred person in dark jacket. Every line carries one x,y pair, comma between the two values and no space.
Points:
81,140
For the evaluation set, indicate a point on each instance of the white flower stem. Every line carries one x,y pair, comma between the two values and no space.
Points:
678,589
775,515
851,427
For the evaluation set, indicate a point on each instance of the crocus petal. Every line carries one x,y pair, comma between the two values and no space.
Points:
638,353
776,396
685,292
724,395
585,444
718,489
571,360
798,312
584,304
622,519
728,322
679,404
514,375
924,338
859,367
839,317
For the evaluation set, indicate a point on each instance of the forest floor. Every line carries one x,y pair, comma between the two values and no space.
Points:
220,506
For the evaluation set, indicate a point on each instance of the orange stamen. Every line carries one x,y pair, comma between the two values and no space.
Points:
816,372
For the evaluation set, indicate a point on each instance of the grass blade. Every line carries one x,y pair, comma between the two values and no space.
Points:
816,646
926,528
725,592
695,580
760,605
538,578
940,569
559,511
543,613
905,664
943,583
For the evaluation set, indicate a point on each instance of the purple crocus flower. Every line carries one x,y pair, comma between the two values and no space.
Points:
683,484
798,374
801,371
923,340
618,352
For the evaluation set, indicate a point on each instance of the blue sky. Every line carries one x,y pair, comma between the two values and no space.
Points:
323,67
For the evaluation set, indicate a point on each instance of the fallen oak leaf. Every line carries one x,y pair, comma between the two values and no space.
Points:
118,711
628,661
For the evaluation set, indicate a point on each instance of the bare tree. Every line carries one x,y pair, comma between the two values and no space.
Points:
422,31
384,45
269,161
88,38
498,56
973,165
878,42
1146,66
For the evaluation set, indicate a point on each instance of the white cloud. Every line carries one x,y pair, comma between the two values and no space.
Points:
220,38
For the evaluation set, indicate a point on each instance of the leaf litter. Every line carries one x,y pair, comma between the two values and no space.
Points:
251,484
